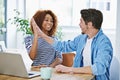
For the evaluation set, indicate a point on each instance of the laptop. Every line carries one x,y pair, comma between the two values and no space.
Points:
12,64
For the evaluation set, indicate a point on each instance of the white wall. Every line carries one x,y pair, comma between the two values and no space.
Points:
11,30
12,35
118,34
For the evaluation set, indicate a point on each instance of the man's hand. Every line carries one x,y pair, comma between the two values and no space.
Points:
61,68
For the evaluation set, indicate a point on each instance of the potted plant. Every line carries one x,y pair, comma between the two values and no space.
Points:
23,28
1,26
21,23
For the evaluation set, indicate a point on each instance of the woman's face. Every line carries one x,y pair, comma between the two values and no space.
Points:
47,23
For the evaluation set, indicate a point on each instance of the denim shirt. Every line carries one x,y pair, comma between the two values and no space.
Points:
101,53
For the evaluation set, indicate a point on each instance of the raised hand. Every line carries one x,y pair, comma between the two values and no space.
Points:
36,30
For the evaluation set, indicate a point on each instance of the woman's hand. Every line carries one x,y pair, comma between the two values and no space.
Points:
37,31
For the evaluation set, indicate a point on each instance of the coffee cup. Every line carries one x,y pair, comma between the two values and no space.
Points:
46,73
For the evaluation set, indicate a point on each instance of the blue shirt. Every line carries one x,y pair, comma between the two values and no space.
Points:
101,53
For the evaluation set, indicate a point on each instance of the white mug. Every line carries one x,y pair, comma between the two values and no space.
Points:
46,72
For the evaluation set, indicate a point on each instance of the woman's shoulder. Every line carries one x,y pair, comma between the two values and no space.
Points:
55,37
30,37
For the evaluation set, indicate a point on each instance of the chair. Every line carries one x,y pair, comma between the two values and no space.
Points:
68,59
114,69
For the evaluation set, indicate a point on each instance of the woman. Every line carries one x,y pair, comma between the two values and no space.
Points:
41,52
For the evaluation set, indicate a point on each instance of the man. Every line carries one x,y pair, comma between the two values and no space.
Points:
93,48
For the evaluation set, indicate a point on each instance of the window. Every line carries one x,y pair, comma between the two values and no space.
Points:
1,15
103,5
2,20
67,11
109,11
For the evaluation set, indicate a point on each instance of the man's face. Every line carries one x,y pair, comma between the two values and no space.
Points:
83,26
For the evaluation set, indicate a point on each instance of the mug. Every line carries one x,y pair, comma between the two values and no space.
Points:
46,72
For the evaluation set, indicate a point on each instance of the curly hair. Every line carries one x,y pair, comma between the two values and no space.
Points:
39,17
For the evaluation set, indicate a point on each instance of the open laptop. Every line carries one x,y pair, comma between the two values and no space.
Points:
12,64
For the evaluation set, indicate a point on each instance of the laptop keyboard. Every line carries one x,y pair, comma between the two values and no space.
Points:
30,74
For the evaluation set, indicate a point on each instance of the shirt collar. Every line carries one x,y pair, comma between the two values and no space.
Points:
99,33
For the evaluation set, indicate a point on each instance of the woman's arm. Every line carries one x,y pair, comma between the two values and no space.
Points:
56,62
33,49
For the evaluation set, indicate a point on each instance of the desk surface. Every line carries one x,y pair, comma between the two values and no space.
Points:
55,76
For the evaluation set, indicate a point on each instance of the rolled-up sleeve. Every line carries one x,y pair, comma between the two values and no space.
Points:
103,57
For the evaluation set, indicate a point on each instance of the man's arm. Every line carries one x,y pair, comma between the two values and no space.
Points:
86,69
61,68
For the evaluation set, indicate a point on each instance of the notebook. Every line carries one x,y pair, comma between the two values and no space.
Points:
12,64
